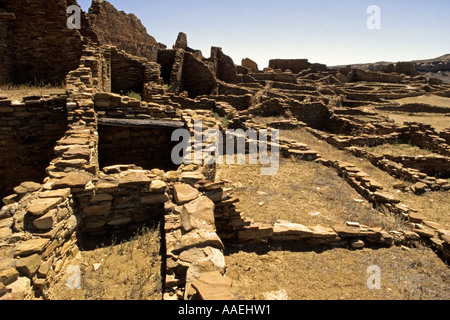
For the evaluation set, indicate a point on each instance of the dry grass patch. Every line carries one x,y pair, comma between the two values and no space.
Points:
427,99
17,92
438,122
400,149
302,192
128,269
434,205
339,274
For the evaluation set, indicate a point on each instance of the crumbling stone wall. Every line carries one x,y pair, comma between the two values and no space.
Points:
223,66
295,65
197,78
39,56
29,132
125,31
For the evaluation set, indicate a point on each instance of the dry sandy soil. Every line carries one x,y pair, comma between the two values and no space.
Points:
116,269
338,274
434,205
438,121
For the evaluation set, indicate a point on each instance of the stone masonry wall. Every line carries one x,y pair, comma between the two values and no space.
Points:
40,56
6,64
28,132
125,31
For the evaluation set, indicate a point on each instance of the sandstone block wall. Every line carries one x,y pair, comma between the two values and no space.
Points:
36,57
125,31
6,62
295,65
29,131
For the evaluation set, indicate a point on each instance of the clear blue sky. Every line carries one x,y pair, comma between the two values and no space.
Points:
325,31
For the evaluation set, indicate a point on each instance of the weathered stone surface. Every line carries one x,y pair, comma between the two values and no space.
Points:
201,260
256,232
106,187
248,63
347,231
8,276
154,198
158,186
41,206
184,193
283,230
47,221
181,42
323,232
357,244
18,290
416,217
214,286
61,193
101,197
134,179
27,187
199,238
29,265
384,197
5,233
30,247
77,153
198,213
72,180
98,210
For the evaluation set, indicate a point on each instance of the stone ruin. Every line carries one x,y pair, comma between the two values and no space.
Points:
94,161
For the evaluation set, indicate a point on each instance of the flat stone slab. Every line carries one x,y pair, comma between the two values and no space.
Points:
59,193
134,179
31,246
213,286
184,193
72,180
347,231
323,232
198,213
284,228
42,206
26,187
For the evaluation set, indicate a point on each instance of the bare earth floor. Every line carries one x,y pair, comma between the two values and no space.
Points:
127,269
339,274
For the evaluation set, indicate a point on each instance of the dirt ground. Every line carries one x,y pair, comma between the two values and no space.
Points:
116,269
338,274
302,192
434,205
438,121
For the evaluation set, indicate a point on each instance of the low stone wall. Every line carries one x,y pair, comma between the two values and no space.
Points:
412,169
39,231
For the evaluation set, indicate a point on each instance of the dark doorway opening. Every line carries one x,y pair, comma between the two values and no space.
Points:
145,147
